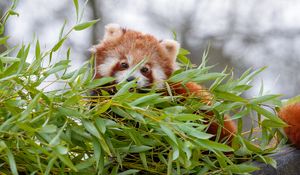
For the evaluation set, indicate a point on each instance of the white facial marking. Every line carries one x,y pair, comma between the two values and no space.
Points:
129,59
105,68
120,75
159,76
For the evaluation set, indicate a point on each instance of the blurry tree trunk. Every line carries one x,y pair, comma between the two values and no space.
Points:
96,6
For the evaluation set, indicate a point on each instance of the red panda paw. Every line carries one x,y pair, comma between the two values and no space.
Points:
228,130
291,115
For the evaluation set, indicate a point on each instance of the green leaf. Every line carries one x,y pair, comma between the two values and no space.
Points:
69,112
241,88
169,133
182,55
124,89
269,160
1,28
61,149
240,114
58,45
229,96
103,107
189,74
174,109
241,168
210,145
86,164
13,13
130,171
263,99
65,159
267,114
9,59
247,76
48,129
273,124
93,130
37,50
56,139
62,30
50,165
30,107
3,40
85,25
187,117
56,69
75,2
12,162
147,98
100,82
138,149
208,76
98,154
194,132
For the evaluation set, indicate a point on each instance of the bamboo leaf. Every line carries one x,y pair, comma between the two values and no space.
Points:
58,45
65,159
267,114
230,97
12,162
241,168
210,145
169,133
131,171
85,25
100,82
263,99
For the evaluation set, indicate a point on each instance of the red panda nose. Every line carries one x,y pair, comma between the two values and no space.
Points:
130,78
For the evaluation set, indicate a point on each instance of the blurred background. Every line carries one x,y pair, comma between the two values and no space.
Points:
241,34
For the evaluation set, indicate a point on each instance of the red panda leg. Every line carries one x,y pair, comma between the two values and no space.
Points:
291,115
191,88
228,130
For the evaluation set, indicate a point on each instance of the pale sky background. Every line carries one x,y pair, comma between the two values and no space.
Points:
251,33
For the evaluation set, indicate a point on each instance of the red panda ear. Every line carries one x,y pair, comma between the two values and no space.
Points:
171,47
112,31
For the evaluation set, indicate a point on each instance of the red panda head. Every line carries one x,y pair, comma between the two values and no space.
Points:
122,49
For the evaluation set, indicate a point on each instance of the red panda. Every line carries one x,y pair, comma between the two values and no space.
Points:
291,115
122,49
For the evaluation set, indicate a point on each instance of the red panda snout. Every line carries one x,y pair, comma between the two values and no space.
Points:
146,75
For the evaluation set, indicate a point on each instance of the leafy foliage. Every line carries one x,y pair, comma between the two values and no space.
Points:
67,131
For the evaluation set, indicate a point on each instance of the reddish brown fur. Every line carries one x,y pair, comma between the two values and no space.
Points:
116,68
228,128
149,74
191,88
137,45
291,115
195,89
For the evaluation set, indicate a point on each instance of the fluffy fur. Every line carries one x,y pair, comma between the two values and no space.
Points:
122,49
291,115
191,88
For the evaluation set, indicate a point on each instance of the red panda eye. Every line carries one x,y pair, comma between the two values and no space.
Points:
144,70
124,65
